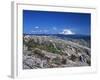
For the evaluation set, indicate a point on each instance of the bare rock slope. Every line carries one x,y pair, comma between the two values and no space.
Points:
50,52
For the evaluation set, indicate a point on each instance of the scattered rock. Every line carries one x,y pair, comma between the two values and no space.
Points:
49,52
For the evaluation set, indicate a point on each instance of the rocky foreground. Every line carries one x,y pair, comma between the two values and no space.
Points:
51,52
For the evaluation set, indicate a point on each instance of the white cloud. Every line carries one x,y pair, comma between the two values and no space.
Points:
67,32
39,31
36,27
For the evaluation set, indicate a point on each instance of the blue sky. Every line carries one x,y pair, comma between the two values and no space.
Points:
46,22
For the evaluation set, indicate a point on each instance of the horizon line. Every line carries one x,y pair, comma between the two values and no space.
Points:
55,34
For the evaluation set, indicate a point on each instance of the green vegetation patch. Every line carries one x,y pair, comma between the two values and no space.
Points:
50,48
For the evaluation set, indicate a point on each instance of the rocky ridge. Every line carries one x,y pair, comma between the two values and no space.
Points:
50,52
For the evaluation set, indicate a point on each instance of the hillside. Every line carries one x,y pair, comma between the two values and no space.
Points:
53,51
